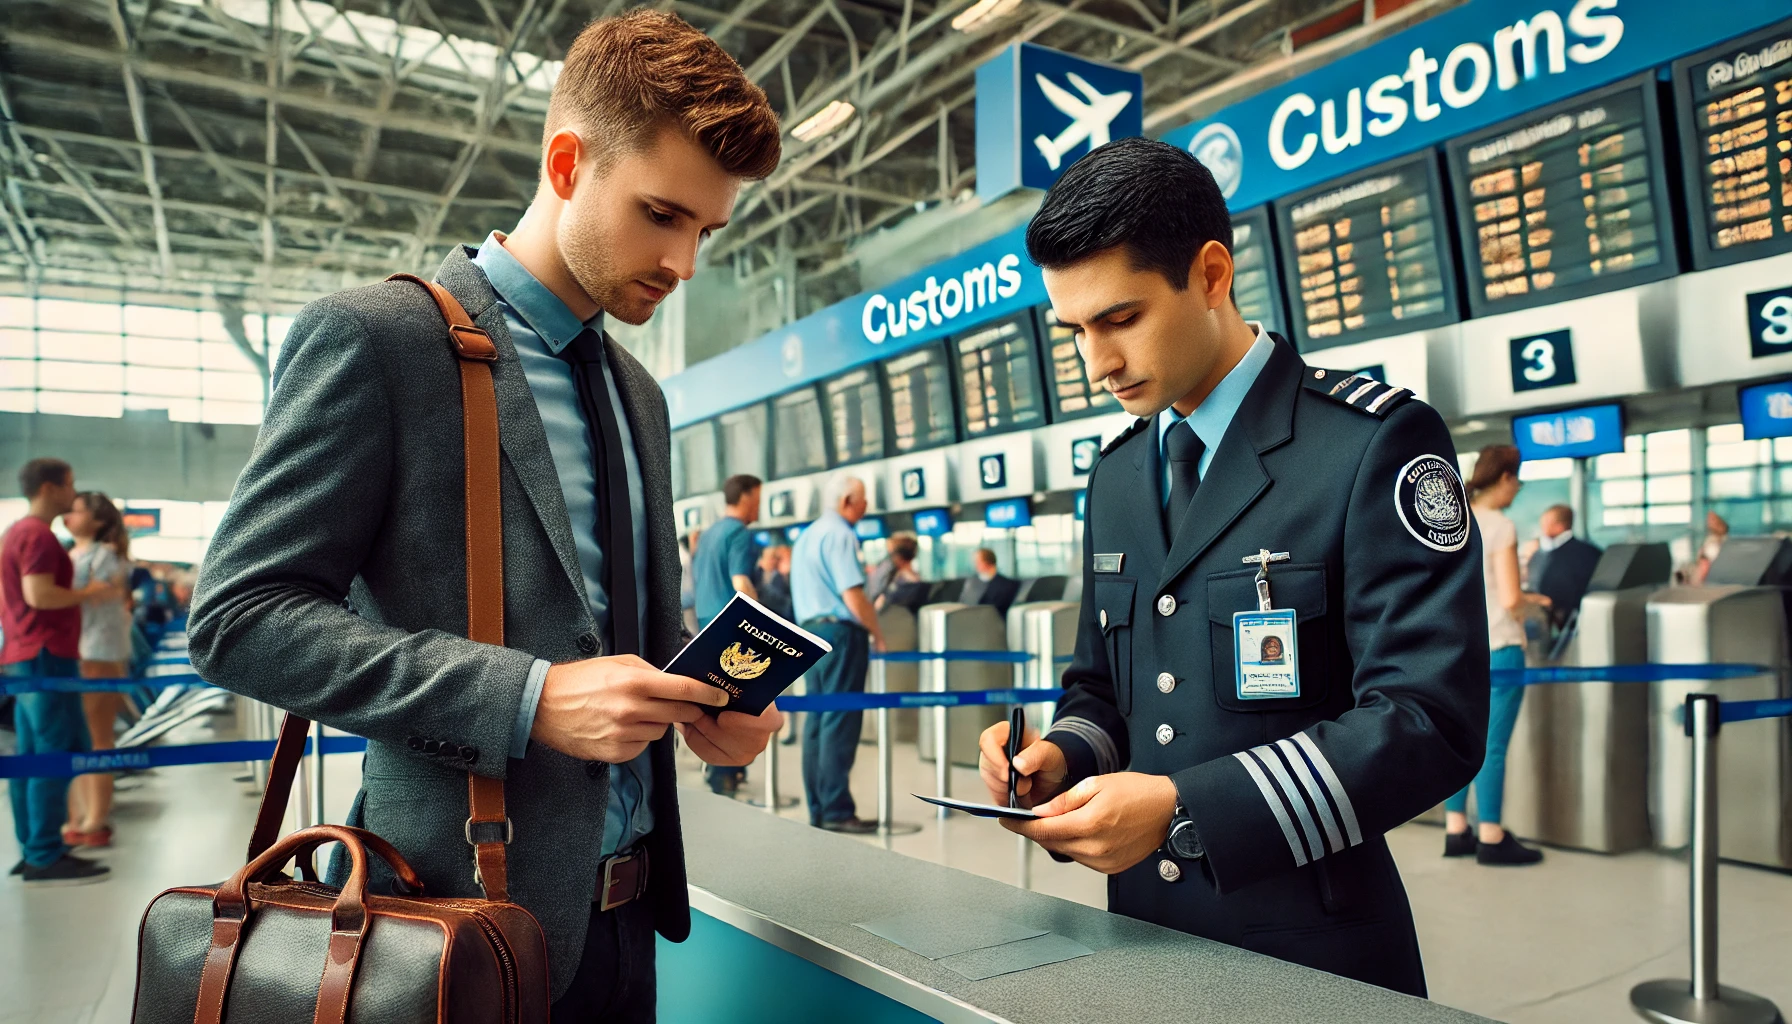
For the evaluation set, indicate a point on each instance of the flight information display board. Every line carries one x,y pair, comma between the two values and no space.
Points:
1256,283
919,384
1564,202
744,438
1367,256
998,376
1072,394
1736,143
799,444
695,469
856,415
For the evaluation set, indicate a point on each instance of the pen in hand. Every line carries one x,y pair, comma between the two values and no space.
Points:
1017,724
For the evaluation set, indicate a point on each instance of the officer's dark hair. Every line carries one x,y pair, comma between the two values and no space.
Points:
1149,196
39,472
1494,462
736,487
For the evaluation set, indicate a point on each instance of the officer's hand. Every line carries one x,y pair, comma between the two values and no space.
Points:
609,709
1041,764
732,738
1108,822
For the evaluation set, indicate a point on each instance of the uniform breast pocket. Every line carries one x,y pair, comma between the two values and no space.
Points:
1300,587
1113,613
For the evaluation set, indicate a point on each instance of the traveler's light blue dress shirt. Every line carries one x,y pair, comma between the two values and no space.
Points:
1216,412
541,327
824,563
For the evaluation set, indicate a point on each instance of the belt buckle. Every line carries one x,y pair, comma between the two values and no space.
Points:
609,868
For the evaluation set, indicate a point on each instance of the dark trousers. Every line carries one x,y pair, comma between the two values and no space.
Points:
47,723
616,981
831,738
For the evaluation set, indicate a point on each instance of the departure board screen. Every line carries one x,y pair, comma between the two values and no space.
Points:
1256,284
1566,201
1072,394
744,440
998,375
1367,256
694,466
856,415
1736,127
799,444
919,384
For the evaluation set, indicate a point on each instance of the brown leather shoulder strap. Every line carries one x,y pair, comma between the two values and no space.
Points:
288,751
485,556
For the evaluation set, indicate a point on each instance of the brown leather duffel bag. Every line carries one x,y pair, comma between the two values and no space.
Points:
263,948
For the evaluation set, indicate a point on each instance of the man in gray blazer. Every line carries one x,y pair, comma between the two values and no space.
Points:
336,585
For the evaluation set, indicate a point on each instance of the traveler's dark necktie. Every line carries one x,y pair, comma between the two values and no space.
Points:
615,529
1182,452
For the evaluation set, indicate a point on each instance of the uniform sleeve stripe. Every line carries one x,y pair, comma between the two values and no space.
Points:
1311,784
1365,389
1333,785
1383,399
1107,756
1275,805
1292,792
1346,382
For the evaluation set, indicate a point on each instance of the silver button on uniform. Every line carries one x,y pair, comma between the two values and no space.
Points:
1104,618
1168,870
1166,605
1165,682
1165,734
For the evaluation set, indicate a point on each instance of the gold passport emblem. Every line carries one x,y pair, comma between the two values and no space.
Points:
741,664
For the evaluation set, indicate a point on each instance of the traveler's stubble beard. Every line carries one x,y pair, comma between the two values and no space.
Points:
588,246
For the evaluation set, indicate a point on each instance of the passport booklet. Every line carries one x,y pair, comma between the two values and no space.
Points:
751,652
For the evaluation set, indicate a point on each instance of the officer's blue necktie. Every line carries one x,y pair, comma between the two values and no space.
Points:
1182,451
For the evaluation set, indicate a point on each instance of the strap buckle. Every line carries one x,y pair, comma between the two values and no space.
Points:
509,832
472,343
610,865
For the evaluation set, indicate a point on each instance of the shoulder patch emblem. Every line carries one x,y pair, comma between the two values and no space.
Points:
1432,503
1365,394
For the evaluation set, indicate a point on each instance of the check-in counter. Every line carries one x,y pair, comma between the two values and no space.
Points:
773,940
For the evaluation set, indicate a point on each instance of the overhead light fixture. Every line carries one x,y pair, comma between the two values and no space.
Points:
982,13
823,121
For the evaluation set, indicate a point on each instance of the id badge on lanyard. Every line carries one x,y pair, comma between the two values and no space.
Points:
1264,649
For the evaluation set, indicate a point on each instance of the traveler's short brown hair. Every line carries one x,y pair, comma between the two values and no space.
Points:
39,472
737,487
626,76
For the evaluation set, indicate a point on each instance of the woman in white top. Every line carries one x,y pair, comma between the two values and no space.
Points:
102,552
1491,489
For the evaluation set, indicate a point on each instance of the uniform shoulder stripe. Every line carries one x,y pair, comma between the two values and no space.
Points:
1137,425
1360,392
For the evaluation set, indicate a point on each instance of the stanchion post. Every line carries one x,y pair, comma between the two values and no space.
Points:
771,776
317,755
942,758
1702,1000
879,684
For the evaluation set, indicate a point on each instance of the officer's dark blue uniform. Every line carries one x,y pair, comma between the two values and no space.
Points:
1288,796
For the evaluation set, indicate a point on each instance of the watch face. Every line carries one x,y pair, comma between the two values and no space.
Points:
1182,841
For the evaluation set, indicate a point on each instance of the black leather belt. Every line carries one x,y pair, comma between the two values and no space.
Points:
622,879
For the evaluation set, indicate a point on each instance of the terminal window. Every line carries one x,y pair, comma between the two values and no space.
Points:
1749,483
106,359
1645,492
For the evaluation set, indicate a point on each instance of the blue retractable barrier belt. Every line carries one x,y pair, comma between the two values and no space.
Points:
1748,710
1006,657
948,699
60,766
1650,673
68,684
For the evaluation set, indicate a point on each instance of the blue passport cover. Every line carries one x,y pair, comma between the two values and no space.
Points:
751,652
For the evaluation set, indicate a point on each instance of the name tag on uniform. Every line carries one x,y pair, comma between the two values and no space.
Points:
1268,663
1109,563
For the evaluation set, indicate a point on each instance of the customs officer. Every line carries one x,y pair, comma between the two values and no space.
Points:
1282,649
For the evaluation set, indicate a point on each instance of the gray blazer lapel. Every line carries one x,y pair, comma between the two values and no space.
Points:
520,433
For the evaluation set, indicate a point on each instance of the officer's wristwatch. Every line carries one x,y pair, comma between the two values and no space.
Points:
1182,842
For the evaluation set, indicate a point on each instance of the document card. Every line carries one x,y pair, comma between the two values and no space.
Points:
751,652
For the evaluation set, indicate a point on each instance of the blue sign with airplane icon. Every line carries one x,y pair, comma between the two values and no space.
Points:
1039,110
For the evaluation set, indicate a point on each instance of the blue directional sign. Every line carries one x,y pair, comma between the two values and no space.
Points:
1008,514
1570,433
870,528
933,522
1767,410
1039,109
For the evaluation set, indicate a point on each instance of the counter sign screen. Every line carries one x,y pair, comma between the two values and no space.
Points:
1571,433
998,375
1738,146
1766,410
1367,256
1565,202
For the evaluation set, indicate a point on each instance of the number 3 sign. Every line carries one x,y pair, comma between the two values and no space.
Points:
1542,361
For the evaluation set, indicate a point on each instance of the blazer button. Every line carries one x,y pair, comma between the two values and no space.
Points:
587,643
416,743
448,750
1165,682
593,769
432,746
470,755
1104,618
1165,734
1166,606
1168,870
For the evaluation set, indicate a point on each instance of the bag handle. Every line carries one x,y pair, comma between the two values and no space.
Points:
485,600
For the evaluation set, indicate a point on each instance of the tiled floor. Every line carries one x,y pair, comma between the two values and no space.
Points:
1558,944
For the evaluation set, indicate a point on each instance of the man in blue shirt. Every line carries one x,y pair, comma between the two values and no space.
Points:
827,591
722,566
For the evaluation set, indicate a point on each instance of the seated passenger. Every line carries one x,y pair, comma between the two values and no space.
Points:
989,586
895,572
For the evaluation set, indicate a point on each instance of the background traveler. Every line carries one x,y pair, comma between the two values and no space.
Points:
1563,564
988,586
722,565
102,552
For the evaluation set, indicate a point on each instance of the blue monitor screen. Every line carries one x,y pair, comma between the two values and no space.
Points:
764,538
933,522
869,528
791,533
1007,514
1082,504
1570,433
1767,410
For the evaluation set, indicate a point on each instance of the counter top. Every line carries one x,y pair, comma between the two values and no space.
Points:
801,889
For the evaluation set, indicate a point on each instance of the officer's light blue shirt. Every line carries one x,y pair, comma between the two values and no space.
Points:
723,552
824,563
541,327
1216,412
